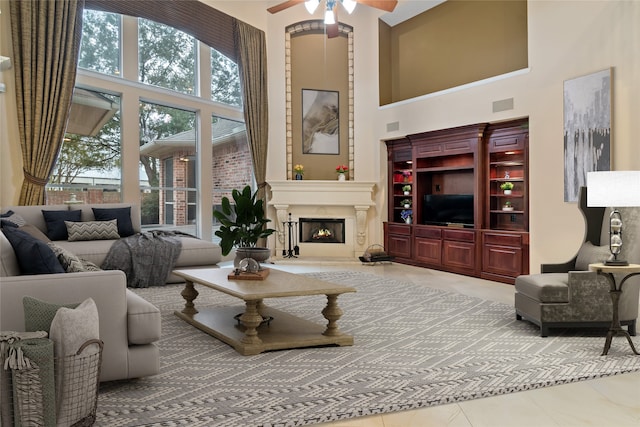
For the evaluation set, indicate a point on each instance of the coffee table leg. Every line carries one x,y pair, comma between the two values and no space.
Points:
251,319
189,293
332,313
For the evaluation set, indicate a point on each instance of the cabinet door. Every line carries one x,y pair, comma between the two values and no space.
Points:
458,254
428,250
399,246
502,260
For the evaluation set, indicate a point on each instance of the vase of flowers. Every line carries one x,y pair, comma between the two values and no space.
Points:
406,175
406,215
299,170
342,170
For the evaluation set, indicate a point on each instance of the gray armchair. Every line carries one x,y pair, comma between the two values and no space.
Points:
567,295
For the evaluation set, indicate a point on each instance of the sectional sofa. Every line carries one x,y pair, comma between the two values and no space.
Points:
129,325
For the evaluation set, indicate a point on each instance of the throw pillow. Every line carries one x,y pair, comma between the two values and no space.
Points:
68,261
70,330
89,266
123,215
11,219
34,256
56,229
590,254
92,230
39,314
34,232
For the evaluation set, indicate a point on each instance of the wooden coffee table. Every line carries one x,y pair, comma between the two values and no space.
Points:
254,327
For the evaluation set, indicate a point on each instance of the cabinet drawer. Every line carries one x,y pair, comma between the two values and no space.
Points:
431,233
503,239
508,142
502,260
399,246
458,255
459,235
404,230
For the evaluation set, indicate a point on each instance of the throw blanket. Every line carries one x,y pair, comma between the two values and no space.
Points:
146,258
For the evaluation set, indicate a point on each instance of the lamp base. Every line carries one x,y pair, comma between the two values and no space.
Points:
616,262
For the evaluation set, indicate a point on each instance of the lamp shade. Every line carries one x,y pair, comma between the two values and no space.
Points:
615,189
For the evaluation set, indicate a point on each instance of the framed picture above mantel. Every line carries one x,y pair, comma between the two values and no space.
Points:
320,122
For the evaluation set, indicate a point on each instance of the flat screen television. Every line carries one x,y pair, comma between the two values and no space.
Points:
447,209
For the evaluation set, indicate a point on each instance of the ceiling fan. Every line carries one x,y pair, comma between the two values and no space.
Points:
331,11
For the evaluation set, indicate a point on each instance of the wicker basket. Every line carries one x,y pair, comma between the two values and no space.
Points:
374,254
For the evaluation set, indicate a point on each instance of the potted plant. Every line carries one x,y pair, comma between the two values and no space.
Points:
406,203
299,170
507,206
341,170
406,189
242,225
506,187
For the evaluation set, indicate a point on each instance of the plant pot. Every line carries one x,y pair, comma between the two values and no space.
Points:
298,177
407,206
507,208
507,192
259,254
407,221
406,193
341,177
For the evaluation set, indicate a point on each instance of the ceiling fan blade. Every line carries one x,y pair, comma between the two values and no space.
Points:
282,6
386,5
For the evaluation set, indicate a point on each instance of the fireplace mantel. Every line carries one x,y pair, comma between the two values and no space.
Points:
349,198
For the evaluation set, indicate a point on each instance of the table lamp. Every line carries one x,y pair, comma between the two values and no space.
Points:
614,189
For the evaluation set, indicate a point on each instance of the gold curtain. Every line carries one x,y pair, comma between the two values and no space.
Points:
46,40
251,56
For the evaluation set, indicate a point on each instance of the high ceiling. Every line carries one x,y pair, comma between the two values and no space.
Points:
407,9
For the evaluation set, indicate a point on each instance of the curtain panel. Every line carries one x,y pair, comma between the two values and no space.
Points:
46,40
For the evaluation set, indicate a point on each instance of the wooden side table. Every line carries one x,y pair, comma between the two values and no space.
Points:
615,291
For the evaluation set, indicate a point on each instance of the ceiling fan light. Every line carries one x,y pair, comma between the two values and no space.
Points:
311,5
349,5
329,19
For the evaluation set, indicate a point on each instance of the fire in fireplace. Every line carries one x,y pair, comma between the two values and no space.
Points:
321,230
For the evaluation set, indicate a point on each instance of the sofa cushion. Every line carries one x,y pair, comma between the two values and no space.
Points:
92,230
143,320
123,215
12,219
591,254
56,228
545,287
34,256
8,261
35,232
39,314
70,262
89,250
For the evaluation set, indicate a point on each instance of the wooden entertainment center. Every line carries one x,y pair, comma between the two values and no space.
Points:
461,220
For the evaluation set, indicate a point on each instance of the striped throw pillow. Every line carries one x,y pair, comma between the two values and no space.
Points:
92,230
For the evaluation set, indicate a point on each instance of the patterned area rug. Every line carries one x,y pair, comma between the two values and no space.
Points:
414,347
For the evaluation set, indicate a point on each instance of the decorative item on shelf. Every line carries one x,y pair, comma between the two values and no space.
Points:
299,170
406,203
406,189
406,215
507,206
243,224
614,189
506,175
506,187
406,176
342,170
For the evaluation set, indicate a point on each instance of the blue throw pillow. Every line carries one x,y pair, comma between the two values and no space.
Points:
123,215
56,228
34,256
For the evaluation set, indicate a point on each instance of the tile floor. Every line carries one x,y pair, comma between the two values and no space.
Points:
603,402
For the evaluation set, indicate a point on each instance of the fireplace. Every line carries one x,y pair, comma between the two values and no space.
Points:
321,230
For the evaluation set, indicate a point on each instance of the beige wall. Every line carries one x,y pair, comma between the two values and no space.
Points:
566,40
452,44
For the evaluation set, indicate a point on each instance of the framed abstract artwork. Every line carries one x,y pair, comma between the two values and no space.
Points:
320,122
587,129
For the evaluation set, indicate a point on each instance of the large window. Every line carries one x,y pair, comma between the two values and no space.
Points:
166,57
164,100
